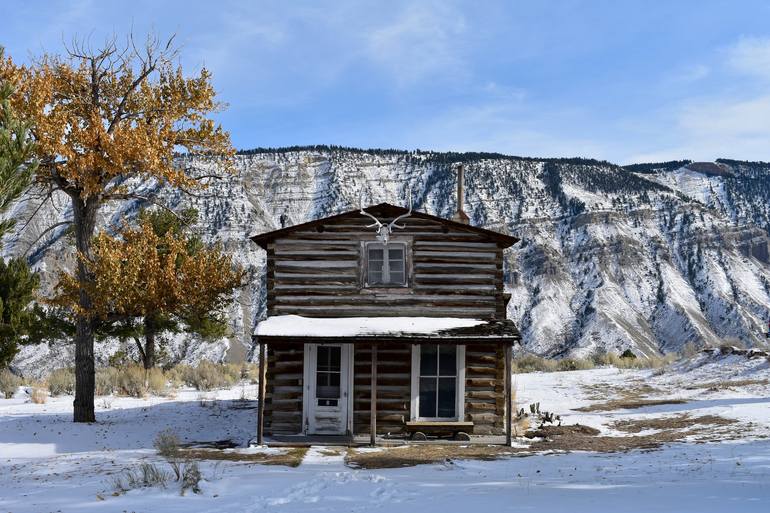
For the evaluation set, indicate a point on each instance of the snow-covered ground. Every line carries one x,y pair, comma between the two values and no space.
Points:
49,464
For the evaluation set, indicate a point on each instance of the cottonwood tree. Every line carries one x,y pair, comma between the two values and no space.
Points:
101,117
153,279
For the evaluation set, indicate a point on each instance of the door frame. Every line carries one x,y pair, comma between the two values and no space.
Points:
308,384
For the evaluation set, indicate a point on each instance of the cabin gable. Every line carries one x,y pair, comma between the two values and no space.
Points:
331,269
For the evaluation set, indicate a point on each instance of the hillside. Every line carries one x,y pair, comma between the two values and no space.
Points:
648,257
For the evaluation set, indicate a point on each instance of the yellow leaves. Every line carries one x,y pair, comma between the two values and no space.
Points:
142,273
119,121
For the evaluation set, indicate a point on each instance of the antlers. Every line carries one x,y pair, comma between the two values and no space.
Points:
384,230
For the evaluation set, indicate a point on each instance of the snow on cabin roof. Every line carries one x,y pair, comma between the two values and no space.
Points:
298,326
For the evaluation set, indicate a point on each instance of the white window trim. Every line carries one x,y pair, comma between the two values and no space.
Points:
415,402
385,264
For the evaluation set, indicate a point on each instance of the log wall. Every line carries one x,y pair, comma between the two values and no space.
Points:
451,273
394,362
283,390
485,388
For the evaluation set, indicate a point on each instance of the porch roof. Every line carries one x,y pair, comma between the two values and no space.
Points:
295,328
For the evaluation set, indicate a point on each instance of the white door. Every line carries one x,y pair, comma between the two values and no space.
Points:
327,389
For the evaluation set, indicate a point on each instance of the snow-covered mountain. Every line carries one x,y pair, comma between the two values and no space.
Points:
648,257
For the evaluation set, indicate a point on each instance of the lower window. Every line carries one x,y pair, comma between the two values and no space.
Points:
439,381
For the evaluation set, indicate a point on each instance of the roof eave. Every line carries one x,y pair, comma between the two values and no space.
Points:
505,241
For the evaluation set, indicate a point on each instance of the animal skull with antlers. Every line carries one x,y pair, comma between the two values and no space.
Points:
384,230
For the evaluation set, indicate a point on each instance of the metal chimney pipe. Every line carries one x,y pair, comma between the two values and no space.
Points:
460,216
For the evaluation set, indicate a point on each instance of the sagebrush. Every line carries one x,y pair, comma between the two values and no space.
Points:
61,382
9,382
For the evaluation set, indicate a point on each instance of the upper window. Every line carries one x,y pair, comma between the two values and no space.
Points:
386,264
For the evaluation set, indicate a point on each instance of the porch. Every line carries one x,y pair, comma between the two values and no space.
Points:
447,386
366,441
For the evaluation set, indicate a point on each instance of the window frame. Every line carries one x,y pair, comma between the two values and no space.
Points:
366,245
316,372
459,387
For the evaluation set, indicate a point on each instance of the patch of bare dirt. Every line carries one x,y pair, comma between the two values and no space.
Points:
585,438
627,404
558,431
290,457
676,422
421,454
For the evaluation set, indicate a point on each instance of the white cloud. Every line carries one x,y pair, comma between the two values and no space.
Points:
512,127
420,43
750,55
732,122
717,127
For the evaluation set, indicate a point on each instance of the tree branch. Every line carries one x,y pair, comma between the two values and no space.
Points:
50,228
129,196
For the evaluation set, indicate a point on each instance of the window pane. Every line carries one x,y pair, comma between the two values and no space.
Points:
328,385
375,277
396,253
447,361
428,364
375,254
329,358
396,265
427,397
396,277
375,265
446,397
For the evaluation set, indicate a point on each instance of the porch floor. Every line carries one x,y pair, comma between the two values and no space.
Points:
363,440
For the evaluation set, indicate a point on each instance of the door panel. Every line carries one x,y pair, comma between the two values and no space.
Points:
327,369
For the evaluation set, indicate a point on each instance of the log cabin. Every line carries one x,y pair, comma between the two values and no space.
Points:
385,322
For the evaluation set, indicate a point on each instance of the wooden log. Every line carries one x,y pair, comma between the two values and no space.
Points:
508,394
261,394
373,401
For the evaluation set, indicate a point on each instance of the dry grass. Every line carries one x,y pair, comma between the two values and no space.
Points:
291,457
664,423
532,363
61,382
39,395
421,454
9,382
627,404
630,390
722,385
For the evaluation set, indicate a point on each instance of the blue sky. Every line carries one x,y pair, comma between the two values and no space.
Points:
625,81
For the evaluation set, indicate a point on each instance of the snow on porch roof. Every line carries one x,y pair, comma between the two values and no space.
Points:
333,327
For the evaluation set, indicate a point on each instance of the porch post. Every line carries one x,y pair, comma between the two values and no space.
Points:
373,397
261,394
508,396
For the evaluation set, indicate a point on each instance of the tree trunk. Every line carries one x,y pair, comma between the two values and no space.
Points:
84,221
148,357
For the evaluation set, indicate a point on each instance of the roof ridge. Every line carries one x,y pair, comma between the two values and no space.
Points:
504,240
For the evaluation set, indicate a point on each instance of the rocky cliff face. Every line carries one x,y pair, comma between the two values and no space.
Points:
645,257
